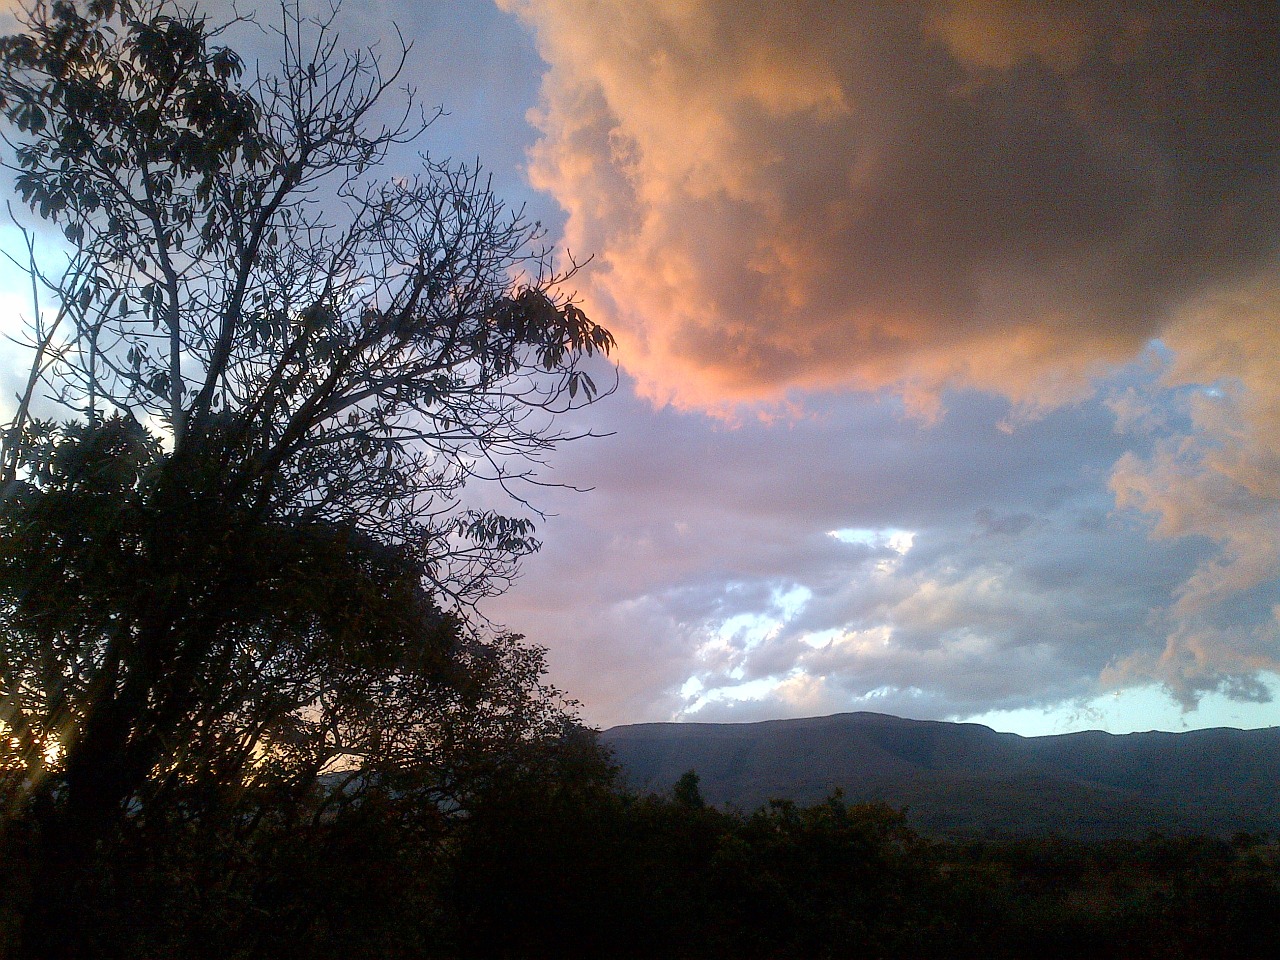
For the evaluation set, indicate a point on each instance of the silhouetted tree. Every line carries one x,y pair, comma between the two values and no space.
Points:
245,559
686,792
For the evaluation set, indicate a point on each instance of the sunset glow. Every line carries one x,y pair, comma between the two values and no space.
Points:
949,353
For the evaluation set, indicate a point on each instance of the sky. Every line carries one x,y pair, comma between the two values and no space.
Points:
948,366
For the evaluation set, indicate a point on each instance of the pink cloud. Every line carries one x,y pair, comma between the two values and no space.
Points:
1008,196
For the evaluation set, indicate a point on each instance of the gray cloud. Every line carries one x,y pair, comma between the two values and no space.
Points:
924,197
705,552
905,194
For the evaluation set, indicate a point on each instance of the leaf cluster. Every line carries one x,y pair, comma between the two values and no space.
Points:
360,349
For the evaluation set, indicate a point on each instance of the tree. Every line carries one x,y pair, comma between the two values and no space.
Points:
247,554
686,792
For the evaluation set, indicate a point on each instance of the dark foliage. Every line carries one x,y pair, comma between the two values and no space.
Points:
238,568
555,861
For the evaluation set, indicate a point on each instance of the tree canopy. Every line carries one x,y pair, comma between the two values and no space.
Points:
236,548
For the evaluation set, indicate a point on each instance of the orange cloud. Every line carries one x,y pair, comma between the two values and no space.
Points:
1012,195
1220,480
1000,34
810,194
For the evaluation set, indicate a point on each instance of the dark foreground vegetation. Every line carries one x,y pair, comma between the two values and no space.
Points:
559,863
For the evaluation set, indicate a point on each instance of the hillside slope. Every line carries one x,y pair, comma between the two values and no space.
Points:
966,779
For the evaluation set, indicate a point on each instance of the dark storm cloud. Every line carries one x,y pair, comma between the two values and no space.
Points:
903,194
1017,197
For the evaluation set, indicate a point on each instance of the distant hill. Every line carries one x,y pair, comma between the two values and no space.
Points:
963,779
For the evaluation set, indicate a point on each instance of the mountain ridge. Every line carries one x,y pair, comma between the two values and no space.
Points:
965,779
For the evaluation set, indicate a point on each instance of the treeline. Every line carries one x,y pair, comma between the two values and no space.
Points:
560,862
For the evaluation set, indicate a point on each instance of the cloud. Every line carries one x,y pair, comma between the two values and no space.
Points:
1217,478
1002,34
1003,195
923,198
701,578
